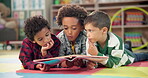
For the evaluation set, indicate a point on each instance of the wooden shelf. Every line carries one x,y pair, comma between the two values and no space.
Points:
136,26
59,5
119,7
88,7
116,26
111,8
123,2
106,8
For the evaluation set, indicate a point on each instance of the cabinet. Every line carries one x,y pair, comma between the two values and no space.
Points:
23,9
129,24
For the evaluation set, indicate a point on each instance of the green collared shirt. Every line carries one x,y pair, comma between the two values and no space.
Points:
114,49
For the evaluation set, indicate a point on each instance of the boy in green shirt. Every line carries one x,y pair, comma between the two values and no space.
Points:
101,42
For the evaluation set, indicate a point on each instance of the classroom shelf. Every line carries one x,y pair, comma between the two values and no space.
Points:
110,7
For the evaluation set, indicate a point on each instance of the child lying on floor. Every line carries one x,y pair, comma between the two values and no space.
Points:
40,43
101,42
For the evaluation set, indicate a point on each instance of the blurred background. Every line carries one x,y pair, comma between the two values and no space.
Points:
129,19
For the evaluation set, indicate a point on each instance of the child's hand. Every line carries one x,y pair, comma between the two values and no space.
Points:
43,67
92,50
45,48
79,63
67,64
91,65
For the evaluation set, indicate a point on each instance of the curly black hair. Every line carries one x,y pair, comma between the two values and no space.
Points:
71,10
33,25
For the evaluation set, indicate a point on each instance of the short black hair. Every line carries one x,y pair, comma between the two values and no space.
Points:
33,25
98,19
71,10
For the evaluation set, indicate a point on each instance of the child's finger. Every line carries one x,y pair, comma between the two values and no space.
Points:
90,43
46,68
52,41
50,44
69,63
41,66
90,65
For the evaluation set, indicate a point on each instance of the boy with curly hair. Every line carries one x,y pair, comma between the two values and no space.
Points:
40,43
101,42
73,36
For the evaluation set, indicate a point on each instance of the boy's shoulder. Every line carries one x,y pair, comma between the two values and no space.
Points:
55,38
82,37
60,34
114,39
26,40
84,33
113,35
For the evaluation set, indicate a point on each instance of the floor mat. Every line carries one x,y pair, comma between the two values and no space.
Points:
11,68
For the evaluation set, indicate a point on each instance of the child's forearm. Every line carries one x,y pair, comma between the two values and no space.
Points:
96,59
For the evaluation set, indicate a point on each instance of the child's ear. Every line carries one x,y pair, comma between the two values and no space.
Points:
105,29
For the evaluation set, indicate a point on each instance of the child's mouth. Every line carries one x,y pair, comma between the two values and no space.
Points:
70,37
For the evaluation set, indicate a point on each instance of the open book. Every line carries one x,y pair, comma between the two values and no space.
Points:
57,60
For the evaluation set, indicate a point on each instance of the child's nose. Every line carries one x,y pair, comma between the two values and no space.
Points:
69,31
87,34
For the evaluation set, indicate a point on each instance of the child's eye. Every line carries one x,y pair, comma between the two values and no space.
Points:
40,39
65,28
47,35
90,30
74,28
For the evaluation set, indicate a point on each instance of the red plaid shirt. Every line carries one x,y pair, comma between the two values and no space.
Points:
31,51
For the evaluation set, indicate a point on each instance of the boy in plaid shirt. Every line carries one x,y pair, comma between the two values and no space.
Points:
40,43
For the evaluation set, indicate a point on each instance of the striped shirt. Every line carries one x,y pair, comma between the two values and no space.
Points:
67,48
114,49
31,51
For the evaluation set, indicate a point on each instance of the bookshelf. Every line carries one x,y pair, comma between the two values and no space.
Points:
132,21
23,9
120,26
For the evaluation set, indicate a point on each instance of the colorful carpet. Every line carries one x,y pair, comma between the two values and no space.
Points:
11,68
